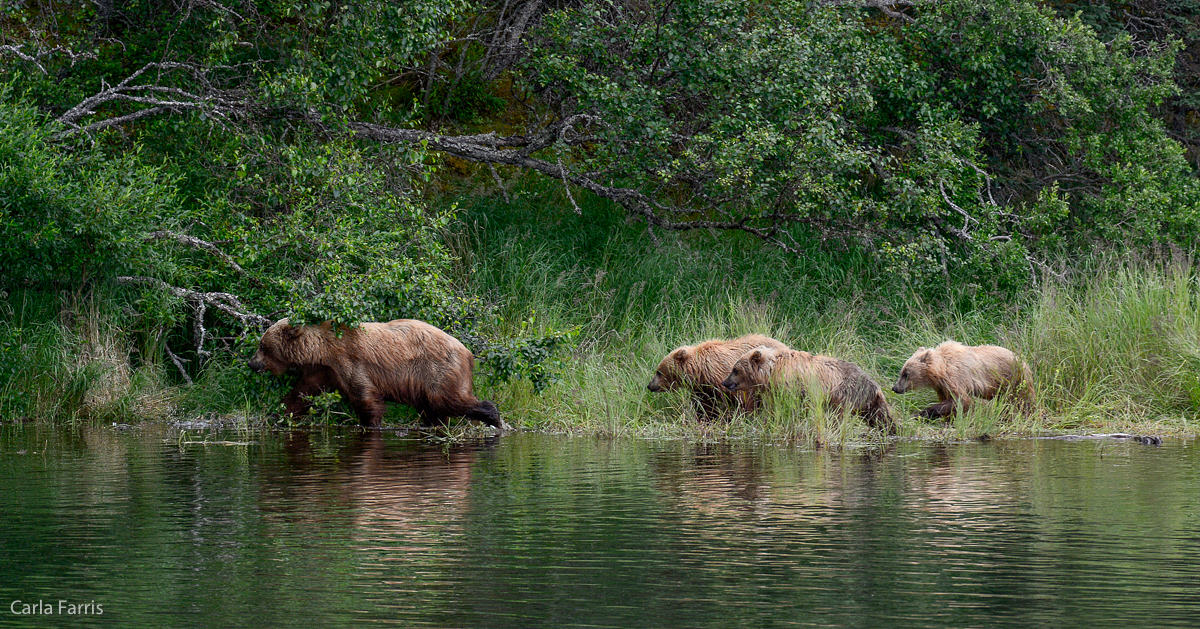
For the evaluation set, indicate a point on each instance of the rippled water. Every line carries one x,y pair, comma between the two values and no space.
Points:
331,529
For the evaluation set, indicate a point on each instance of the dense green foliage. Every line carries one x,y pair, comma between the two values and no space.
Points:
70,217
817,170
973,142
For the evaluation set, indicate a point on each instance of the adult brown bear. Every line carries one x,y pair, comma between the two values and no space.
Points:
846,384
702,367
960,373
405,361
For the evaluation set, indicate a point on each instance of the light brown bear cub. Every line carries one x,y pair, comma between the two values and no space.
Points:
960,373
847,386
702,367
405,361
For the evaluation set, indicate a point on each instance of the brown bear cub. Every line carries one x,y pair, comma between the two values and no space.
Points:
847,386
405,361
960,373
702,367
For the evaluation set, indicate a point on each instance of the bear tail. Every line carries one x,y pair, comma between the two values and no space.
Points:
486,412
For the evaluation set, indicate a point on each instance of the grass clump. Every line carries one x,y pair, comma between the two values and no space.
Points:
1119,347
67,357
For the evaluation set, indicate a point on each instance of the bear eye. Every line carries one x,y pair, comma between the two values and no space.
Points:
735,371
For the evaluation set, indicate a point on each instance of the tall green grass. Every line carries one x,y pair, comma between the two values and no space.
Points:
1114,343
1118,346
70,358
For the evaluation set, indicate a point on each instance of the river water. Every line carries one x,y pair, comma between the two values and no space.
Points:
154,527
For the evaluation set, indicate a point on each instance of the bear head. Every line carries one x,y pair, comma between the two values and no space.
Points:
272,354
752,369
670,372
915,372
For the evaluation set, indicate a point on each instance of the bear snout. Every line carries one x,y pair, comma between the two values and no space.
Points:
654,387
896,388
728,383
256,364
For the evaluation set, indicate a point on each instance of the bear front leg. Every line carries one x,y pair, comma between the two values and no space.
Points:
369,410
941,409
432,418
746,401
296,402
946,407
706,401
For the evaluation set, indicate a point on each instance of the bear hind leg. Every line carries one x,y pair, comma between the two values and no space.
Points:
878,415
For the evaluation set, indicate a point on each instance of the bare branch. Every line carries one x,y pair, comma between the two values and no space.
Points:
499,182
219,104
486,149
178,363
225,302
213,6
192,241
887,7
36,57
966,217
201,334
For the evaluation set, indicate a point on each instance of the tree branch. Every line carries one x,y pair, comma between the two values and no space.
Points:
225,302
36,57
961,233
887,7
192,241
178,363
217,103
491,149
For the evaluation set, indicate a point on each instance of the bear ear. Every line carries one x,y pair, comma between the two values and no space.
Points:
290,332
756,357
680,354
926,356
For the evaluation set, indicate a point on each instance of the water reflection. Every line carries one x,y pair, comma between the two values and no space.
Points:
339,528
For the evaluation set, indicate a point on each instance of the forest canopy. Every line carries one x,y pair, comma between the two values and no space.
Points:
225,163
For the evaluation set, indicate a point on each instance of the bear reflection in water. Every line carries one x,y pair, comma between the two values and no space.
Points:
391,492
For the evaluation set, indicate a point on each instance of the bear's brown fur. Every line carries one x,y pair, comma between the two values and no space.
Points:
846,385
405,361
702,367
959,373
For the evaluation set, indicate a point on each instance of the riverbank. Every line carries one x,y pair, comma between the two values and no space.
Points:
1113,340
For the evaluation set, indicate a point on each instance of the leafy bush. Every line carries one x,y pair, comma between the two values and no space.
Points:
69,215
969,143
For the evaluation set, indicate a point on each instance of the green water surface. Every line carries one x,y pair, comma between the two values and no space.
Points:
156,527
